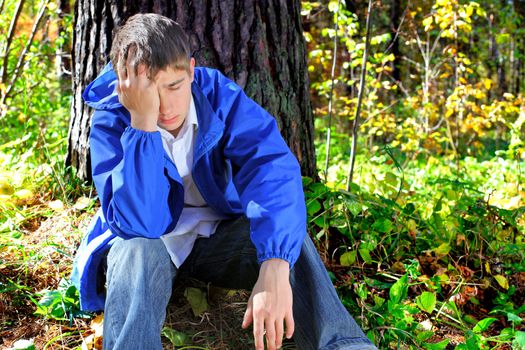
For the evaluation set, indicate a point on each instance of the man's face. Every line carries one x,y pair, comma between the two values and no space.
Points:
174,88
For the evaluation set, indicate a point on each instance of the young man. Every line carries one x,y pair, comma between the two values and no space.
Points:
194,178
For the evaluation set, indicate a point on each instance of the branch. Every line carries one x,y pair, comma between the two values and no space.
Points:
10,35
360,96
398,29
329,130
21,59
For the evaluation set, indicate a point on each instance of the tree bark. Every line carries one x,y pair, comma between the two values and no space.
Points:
258,44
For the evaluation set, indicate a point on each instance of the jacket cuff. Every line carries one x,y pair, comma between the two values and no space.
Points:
273,255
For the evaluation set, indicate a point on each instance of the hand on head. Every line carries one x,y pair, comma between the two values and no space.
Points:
138,93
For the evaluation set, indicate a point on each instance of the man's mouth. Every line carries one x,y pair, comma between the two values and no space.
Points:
168,120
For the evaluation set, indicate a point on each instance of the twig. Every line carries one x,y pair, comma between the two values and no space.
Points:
21,59
359,96
10,35
329,130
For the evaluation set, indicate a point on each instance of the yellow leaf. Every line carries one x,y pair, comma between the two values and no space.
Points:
502,281
23,194
94,340
5,187
487,267
97,324
56,205
427,22
52,6
82,203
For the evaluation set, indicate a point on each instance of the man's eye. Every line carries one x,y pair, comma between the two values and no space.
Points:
175,88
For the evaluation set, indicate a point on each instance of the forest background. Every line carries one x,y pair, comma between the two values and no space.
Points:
424,238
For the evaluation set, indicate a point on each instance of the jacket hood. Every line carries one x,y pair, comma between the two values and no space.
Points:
101,93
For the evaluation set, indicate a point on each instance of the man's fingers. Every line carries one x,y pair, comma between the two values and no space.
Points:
258,332
290,325
248,315
270,334
278,333
129,67
121,69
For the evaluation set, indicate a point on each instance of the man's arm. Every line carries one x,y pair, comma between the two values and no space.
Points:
268,179
135,183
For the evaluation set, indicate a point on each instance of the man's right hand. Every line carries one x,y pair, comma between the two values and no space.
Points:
139,95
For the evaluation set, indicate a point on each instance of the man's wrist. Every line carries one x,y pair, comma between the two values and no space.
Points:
275,264
143,123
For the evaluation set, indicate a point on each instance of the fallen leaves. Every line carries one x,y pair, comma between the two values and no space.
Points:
94,339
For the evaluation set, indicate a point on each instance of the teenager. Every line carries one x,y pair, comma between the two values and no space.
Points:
195,179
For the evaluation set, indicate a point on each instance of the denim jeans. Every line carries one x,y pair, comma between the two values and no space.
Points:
140,276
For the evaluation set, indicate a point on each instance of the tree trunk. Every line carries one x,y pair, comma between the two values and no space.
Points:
258,44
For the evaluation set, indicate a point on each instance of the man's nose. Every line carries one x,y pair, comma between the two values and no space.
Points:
164,107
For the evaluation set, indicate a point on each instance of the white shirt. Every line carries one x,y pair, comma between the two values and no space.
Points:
197,218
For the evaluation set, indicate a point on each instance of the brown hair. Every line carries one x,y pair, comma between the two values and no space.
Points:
153,40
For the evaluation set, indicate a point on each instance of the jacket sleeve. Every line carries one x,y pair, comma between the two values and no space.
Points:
138,199
266,174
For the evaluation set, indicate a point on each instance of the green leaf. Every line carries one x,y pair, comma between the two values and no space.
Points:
318,188
362,291
175,337
365,255
307,181
515,319
391,179
383,225
348,258
519,342
354,188
313,207
443,249
426,301
437,346
399,290
484,324
197,300
378,301
424,335
355,207
451,305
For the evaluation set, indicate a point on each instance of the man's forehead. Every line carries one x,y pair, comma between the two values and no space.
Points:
169,76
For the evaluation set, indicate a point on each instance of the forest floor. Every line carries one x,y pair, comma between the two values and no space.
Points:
46,258
412,293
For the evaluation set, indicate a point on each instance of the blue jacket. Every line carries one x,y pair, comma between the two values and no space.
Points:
241,166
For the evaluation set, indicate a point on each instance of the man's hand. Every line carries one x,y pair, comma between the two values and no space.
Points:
139,95
270,305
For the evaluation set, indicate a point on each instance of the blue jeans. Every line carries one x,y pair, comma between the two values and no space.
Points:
140,276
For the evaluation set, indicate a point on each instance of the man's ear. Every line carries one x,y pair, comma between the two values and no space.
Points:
192,68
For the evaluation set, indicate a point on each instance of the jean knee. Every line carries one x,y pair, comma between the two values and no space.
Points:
143,251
